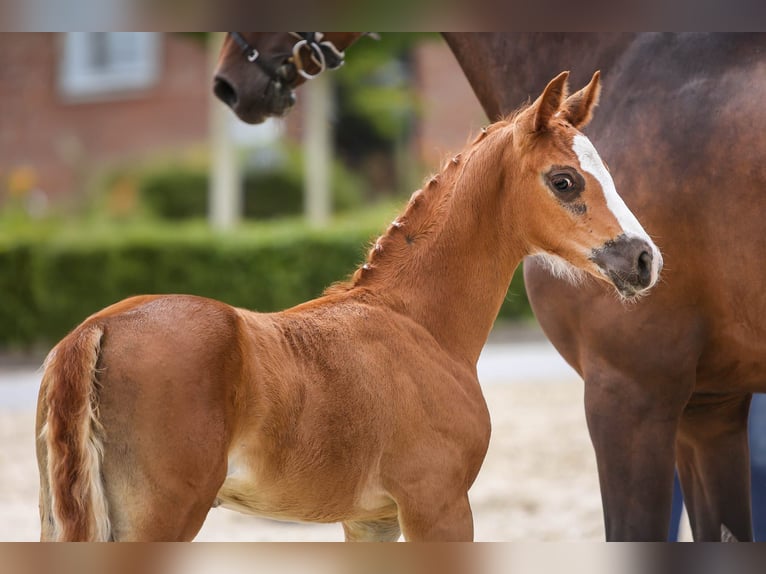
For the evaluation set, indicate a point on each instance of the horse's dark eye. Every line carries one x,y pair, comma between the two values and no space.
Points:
563,183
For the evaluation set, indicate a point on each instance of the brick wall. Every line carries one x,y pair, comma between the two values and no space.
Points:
61,142
450,110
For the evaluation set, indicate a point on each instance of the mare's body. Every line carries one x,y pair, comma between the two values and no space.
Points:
673,374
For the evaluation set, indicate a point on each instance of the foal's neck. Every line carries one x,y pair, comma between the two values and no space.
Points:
446,262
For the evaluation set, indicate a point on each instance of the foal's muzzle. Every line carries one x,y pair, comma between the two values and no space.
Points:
629,262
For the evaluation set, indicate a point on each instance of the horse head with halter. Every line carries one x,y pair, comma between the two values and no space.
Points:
266,67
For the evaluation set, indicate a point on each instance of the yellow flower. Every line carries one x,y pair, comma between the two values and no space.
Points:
21,181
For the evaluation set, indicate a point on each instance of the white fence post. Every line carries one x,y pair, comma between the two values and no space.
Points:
224,195
317,150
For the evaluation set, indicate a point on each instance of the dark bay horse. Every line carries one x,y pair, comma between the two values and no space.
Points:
669,379
362,406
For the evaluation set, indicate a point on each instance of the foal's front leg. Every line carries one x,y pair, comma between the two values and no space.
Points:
384,530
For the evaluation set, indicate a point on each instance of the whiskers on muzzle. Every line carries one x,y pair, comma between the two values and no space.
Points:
560,268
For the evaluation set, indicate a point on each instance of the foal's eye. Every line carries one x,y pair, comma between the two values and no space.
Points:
563,183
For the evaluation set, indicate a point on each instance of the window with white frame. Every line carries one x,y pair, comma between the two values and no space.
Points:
108,64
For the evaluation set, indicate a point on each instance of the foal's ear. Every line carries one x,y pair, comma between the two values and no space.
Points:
578,108
550,101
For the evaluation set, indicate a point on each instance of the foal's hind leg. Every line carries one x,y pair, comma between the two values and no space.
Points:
713,464
167,408
163,494
384,530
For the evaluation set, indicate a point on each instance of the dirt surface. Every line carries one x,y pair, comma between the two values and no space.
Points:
538,482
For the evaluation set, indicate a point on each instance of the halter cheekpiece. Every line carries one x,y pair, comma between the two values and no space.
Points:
323,53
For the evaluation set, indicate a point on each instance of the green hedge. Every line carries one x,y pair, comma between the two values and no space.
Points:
48,284
178,191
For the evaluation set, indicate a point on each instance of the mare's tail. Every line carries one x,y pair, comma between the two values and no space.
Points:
73,505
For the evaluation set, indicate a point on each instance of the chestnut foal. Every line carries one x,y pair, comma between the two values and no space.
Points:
362,406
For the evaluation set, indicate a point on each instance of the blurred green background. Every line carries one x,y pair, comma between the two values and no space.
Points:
104,191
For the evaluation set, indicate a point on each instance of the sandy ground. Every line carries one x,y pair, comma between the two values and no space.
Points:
538,481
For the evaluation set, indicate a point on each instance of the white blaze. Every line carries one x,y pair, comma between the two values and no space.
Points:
591,162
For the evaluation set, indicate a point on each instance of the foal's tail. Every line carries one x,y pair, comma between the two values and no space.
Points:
73,505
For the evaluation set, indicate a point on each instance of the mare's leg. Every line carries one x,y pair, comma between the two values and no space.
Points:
757,436
639,364
713,463
384,530
633,434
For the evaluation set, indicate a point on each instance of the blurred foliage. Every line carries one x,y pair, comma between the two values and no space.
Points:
201,37
375,83
276,188
178,188
377,107
55,275
146,231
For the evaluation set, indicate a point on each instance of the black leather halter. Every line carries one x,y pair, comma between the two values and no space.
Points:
322,52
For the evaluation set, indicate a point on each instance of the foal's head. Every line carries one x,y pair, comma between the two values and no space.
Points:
569,212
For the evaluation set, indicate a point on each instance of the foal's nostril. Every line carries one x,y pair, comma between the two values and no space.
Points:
225,92
629,262
645,268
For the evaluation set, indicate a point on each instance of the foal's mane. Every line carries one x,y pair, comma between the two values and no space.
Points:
425,212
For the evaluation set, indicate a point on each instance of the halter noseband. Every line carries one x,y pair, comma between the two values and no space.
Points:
323,53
